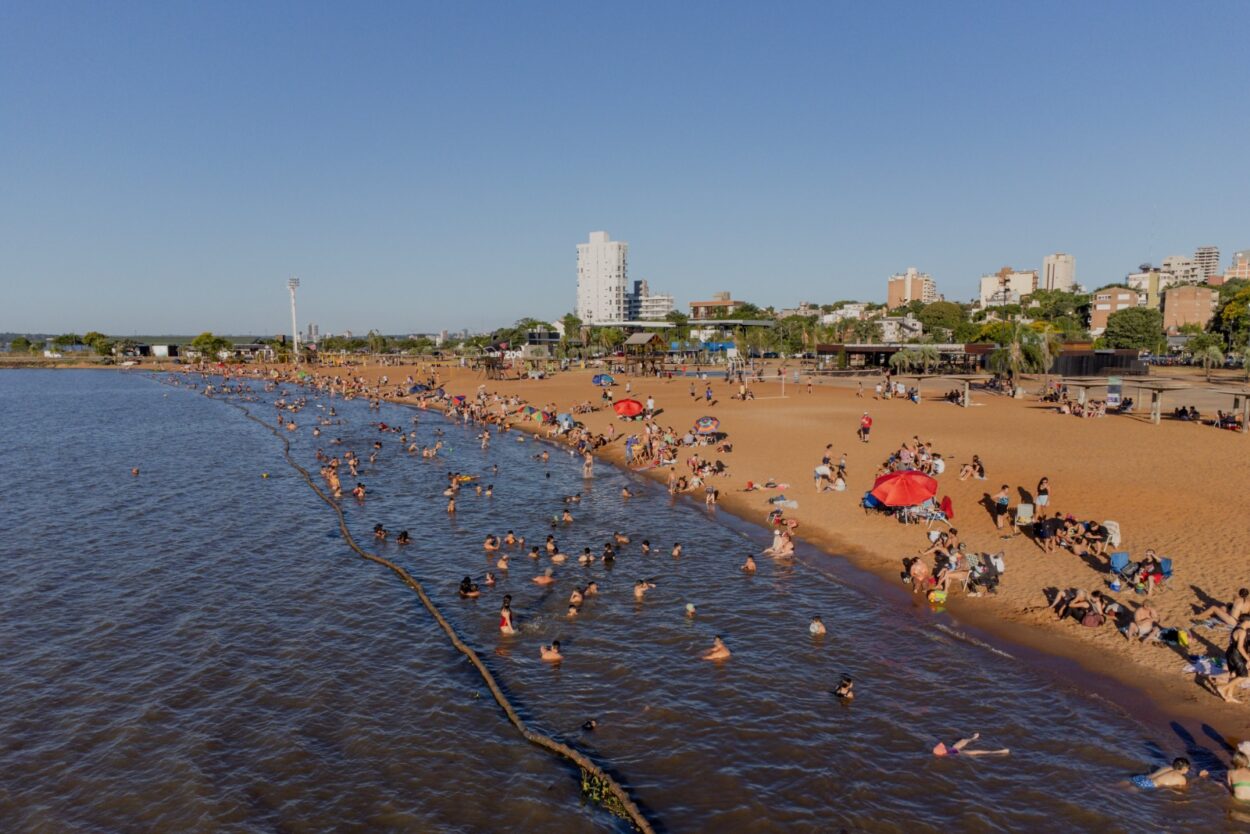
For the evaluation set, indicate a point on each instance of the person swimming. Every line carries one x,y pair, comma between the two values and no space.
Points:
690,610
468,590
749,565
551,653
958,748
640,589
719,650
846,689
545,578
404,538
646,547
1172,776
816,627
620,538
677,550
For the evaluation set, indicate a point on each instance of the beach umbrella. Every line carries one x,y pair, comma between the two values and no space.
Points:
458,398
706,425
904,489
564,419
527,409
627,408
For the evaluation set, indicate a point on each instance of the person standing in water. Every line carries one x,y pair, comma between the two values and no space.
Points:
719,650
505,616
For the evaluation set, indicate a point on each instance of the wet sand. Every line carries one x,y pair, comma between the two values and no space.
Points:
1170,487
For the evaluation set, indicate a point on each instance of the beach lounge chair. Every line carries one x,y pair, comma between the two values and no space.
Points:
1024,516
1113,533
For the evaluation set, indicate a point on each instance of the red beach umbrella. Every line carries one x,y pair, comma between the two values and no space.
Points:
627,408
904,489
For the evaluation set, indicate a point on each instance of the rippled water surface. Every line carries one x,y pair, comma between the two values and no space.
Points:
195,649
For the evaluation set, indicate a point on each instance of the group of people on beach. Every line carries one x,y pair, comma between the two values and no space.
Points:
1052,532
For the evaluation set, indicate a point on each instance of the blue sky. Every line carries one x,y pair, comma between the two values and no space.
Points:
165,167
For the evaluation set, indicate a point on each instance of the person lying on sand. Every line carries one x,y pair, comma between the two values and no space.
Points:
1228,614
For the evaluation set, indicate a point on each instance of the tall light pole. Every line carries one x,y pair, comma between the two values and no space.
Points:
292,285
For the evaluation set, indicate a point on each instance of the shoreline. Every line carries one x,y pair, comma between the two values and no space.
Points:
1067,659
1171,693
1155,688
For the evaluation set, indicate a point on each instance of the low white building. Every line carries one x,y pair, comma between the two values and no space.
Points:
1007,286
846,311
899,328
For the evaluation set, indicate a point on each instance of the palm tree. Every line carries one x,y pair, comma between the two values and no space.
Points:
1020,354
904,360
1210,356
927,357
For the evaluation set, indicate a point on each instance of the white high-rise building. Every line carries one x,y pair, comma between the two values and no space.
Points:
602,279
1208,260
1058,272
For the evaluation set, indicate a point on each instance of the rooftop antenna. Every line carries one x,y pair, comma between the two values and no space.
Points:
293,285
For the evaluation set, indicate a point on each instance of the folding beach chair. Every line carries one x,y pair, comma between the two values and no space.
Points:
1113,533
1118,566
1024,516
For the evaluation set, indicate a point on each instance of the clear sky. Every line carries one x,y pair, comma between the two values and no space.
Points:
166,166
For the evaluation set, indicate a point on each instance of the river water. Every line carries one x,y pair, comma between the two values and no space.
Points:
195,649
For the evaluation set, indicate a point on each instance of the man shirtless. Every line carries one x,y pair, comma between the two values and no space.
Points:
641,587
1228,614
719,650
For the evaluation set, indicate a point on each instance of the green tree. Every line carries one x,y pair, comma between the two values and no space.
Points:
927,357
1207,349
207,344
1020,352
681,324
97,341
20,344
376,341
67,340
1136,328
903,360
1232,316
941,318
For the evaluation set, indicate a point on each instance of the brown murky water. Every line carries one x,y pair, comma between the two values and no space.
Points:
196,650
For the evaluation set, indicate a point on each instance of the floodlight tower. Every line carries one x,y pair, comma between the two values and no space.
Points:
292,285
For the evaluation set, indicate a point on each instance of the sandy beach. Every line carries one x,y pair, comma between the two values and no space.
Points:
1166,485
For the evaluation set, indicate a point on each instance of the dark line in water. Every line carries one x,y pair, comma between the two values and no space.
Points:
597,775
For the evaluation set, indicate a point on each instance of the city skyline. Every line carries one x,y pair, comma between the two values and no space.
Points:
430,168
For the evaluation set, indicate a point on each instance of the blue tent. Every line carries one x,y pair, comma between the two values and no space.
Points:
417,389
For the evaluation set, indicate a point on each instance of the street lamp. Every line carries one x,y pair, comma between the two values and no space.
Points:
292,285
